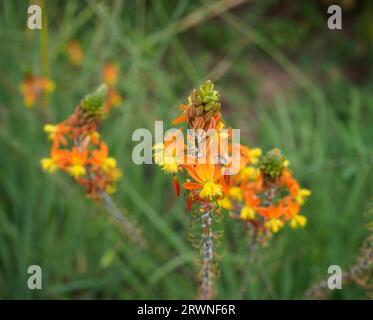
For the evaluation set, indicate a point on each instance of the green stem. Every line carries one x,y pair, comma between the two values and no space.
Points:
128,226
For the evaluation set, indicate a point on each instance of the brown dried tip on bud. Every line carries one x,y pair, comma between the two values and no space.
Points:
203,107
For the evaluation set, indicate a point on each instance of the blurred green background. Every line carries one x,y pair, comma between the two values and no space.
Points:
286,81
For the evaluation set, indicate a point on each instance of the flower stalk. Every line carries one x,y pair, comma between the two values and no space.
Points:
129,228
206,290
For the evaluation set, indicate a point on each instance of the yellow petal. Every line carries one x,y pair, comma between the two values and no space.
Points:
48,165
298,221
109,164
274,225
256,152
225,203
247,213
77,171
236,193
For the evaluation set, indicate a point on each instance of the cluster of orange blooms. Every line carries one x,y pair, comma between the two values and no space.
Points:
262,193
78,150
34,88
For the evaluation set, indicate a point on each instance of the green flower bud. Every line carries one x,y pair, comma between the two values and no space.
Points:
272,163
93,103
206,88
210,106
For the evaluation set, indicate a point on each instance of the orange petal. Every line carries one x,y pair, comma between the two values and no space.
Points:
192,170
192,185
179,119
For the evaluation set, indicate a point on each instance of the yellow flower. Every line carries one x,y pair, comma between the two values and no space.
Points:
158,153
77,171
109,164
247,213
302,195
169,164
298,221
225,203
249,173
236,193
50,129
286,163
211,190
48,165
254,155
274,225
168,161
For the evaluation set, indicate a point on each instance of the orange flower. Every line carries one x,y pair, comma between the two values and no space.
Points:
251,199
292,212
272,212
292,208
207,179
290,183
78,161
32,87
249,156
110,74
59,159
75,53
113,99
100,158
57,133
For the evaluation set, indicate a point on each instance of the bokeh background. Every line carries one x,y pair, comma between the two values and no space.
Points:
286,81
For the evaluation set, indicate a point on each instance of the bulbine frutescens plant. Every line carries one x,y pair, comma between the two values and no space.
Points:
78,150
258,190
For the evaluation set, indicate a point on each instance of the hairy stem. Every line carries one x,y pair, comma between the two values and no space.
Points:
128,226
206,290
